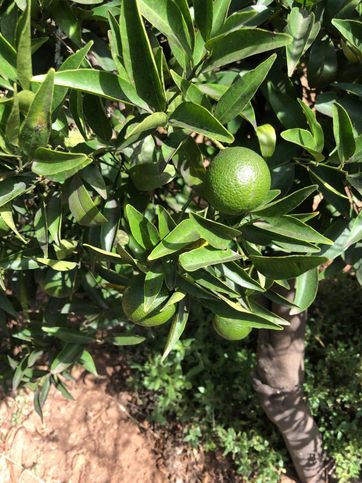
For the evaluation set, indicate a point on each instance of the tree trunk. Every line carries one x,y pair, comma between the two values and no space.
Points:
278,380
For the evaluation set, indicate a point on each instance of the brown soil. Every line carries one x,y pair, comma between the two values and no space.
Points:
96,439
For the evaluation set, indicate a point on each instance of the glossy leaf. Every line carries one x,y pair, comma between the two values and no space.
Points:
243,43
36,129
150,176
143,231
165,221
68,356
58,165
206,256
177,328
267,138
124,340
234,272
81,205
343,133
306,288
242,91
196,118
7,216
216,234
279,268
152,286
351,30
220,11
7,59
180,237
73,336
11,188
138,57
23,59
97,82
204,17
287,204
58,265
299,26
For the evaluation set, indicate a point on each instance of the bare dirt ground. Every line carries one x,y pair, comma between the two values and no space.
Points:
95,439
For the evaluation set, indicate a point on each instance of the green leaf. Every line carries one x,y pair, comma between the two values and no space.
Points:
23,58
216,234
242,91
177,328
11,188
7,217
13,123
67,21
180,237
7,59
292,228
344,235
88,363
190,91
106,255
306,288
299,26
351,30
152,286
206,256
242,43
304,139
196,118
54,218
267,138
73,336
58,265
68,356
291,266
124,340
150,176
206,279
322,63
204,17
7,306
81,205
143,231
58,166
97,82
287,204
146,126
221,8
165,221
96,117
234,272
138,57
36,128
315,127
343,133
168,18
93,177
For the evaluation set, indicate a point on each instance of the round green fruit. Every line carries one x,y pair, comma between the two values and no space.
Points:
134,308
231,329
25,99
238,180
58,284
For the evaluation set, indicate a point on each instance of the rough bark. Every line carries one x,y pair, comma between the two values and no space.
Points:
278,381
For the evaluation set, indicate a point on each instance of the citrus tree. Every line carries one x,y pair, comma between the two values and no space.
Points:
157,154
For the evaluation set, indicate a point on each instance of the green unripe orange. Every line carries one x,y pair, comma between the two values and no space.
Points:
134,308
25,99
231,329
238,180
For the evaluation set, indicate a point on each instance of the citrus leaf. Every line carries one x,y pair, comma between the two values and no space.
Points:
88,363
287,204
299,26
351,30
7,59
73,336
180,237
234,272
267,138
124,340
216,234
11,188
68,356
143,231
279,268
177,328
58,265
203,10
165,221
97,82
81,205
242,43
221,8
36,128
343,133
58,165
242,91
306,288
198,119
23,59
152,286
205,257
138,57
7,217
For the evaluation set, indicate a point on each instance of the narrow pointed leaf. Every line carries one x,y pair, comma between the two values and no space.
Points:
143,231
287,204
343,133
216,234
279,268
196,118
81,205
205,257
299,26
23,58
177,328
306,288
180,237
242,91
58,165
138,57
